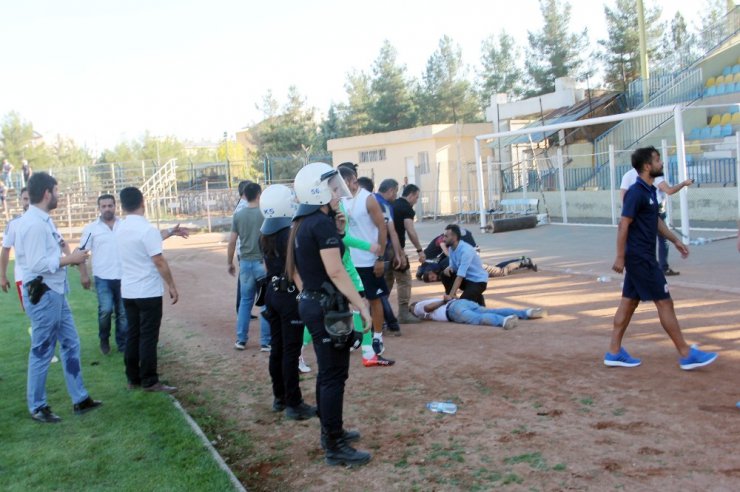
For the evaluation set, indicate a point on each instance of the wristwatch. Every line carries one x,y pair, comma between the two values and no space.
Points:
419,250
380,258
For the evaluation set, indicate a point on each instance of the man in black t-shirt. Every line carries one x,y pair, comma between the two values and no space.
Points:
403,220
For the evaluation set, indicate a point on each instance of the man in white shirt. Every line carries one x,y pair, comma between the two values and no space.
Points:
471,313
143,267
39,250
9,242
664,189
99,238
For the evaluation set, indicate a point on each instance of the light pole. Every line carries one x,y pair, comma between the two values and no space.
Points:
228,166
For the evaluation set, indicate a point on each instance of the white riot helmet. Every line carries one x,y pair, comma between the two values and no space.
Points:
316,184
278,206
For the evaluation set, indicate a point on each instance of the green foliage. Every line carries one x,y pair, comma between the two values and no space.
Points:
355,115
708,26
554,51
500,72
444,94
135,441
391,107
679,46
621,50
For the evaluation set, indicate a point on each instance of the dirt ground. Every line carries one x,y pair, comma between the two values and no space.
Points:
537,408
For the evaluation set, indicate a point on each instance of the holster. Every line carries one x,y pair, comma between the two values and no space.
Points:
36,289
282,284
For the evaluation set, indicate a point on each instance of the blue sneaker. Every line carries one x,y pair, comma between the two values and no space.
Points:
621,359
696,358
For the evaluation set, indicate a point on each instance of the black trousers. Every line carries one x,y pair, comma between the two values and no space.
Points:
472,291
144,319
286,331
333,368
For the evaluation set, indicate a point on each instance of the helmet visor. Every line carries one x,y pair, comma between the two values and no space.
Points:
338,187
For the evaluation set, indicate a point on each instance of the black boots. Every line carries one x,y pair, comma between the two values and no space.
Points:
338,450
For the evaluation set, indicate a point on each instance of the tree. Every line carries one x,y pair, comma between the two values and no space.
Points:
391,107
444,94
711,29
330,127
355,115
553,52
500,70
19,141
679,46
621,50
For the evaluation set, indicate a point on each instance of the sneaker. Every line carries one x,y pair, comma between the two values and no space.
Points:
378,346
526,262
670,272
45,416
160,388
240,345
377,360
534,313
265,348
104,346
510,322
278,405
407,318
301,412
621,359
697,358
86,405
302,366
394,330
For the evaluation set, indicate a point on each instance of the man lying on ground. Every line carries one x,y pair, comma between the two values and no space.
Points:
471,313
431,270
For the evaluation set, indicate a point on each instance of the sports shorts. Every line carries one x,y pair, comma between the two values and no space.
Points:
375,287
644,280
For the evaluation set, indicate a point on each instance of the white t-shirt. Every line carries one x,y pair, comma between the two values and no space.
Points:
439,314
100,240
9,242
630,178
361,226
138,241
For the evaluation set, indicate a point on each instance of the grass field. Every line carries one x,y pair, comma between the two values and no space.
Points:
136,441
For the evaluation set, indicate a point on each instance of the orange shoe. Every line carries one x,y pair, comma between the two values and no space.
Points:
377,360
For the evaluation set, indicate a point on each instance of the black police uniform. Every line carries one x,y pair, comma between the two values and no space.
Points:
318,231
286,327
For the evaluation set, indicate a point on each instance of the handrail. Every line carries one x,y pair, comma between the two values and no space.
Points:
162,180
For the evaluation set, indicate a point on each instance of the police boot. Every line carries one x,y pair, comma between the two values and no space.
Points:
339,452
347,435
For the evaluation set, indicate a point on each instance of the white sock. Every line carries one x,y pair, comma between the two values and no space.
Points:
378,336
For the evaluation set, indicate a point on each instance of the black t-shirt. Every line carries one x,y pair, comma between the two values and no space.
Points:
402,210
317,231
276,264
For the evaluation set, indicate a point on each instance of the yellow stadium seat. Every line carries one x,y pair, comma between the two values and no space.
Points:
726,119
736,78
715,120
710,82
719,80
736,118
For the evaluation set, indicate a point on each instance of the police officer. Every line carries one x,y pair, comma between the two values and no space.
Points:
278,205
315,262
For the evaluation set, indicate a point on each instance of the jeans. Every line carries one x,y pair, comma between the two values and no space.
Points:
286,332
390,319
249,272
109,301
471,313
333,368
662,248
144,319
51,320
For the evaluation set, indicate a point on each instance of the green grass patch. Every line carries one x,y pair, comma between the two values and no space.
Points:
135,441
534,460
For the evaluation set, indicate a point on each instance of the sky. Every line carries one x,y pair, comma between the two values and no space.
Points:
103,71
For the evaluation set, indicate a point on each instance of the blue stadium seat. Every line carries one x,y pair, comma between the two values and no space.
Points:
722,89
712,91
726,131
733,109
716,132
727,70
695,134
736,69
706,133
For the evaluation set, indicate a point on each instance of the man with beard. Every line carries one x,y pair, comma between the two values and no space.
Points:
99,238
9,242
39,249
664,189
465,272
644,280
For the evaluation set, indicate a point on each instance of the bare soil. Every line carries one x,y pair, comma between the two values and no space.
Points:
537,408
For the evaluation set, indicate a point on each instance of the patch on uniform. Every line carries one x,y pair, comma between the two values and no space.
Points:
332,241
665,288
379,291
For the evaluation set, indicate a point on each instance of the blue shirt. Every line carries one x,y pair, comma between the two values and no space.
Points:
38,248
465,262
641,205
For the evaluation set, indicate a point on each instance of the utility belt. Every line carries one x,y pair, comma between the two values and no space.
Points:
282,284
338,320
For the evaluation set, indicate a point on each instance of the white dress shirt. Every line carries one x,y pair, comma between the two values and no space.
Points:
439,314
9,242
38,247
100,240
138,241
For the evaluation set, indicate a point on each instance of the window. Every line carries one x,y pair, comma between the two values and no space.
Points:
372,155
423,161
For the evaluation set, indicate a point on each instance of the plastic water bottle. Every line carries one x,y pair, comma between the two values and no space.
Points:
442,407
604,278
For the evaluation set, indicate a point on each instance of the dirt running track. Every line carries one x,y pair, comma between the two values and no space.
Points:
537,409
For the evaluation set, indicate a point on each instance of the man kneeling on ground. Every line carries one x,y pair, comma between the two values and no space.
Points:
471,313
